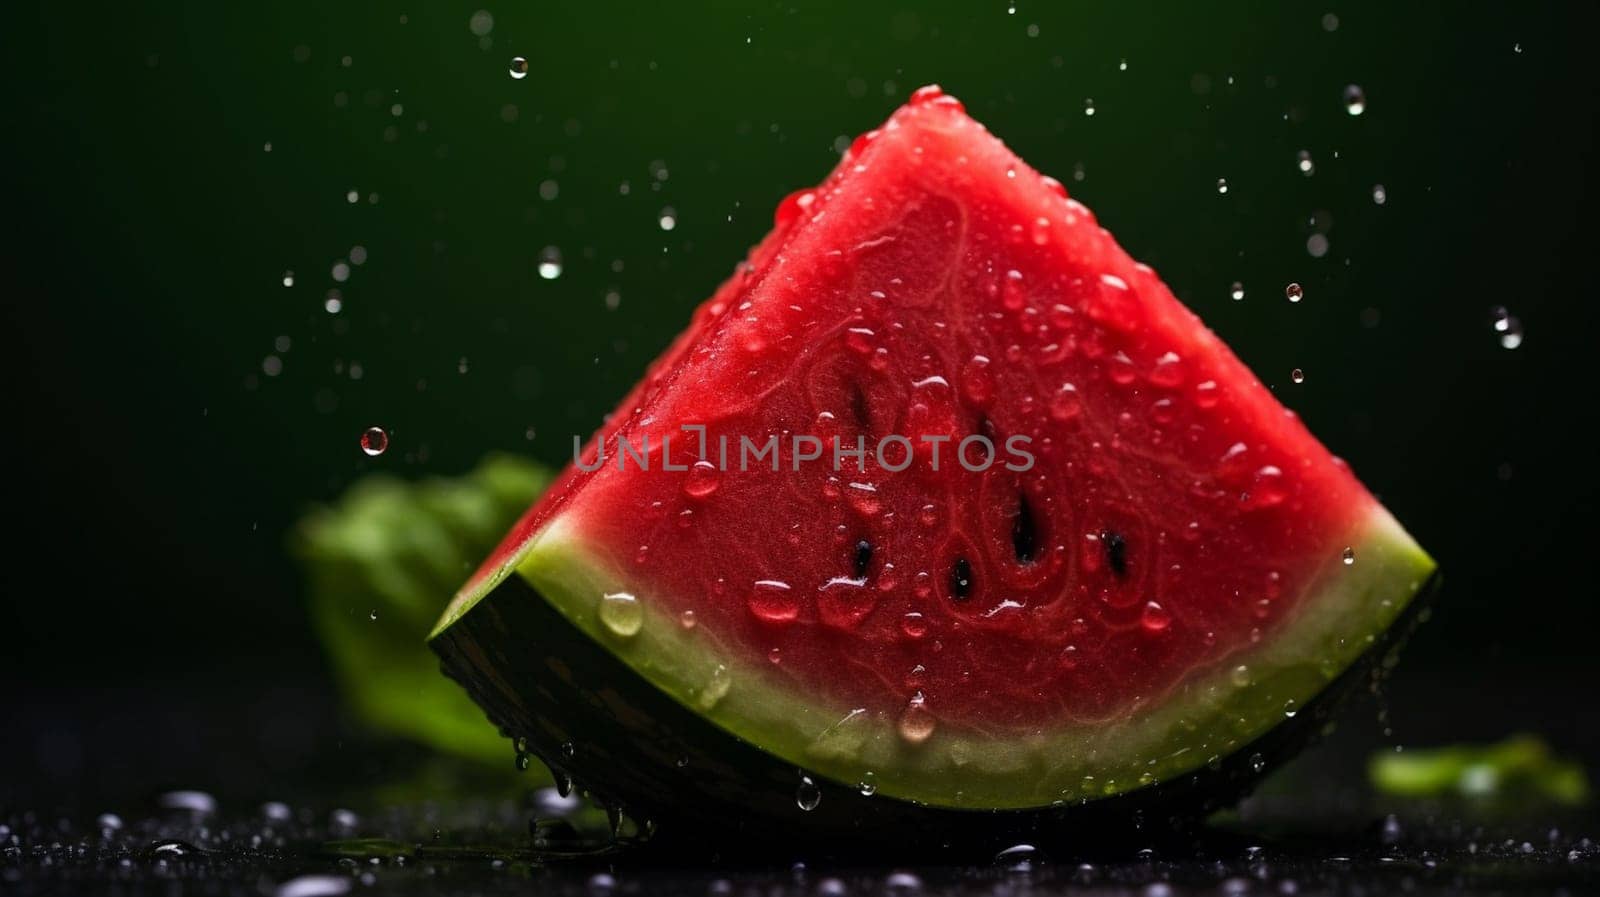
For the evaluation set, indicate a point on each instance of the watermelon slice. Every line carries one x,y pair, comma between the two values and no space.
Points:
1158,568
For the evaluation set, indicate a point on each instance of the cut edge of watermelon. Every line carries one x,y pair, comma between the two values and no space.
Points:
1208,716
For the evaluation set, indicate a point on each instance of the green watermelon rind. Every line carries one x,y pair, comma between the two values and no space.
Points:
1207,717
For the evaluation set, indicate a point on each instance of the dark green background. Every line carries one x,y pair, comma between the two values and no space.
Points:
155,469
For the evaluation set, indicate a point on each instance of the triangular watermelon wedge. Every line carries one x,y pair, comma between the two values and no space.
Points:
1176,570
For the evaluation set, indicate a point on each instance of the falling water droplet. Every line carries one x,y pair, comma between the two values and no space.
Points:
1379,194
519,68
288,278
808,795
1088,106
373,615
668,218
621,613
1236,291
1297,375
1303,161
375,441
1349,556
1257,762
1294,292
1222,185
1507,325
1355,99
550,263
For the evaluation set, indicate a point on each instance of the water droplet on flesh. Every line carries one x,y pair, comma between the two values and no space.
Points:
916,723
773,601
1154,617
621,613
702,480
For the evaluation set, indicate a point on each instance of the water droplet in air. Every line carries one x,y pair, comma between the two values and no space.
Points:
1088,106
1297,375
1349,556
1236,291
621,613
1222,185
668,218
808,795
550,263
288,278
375,441
1355,99
519,68
1507,325
1303,161
916,723
1379,195
1294,292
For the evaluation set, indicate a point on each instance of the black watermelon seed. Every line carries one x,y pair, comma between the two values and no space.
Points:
863,558
961,579
1116,549
1024,531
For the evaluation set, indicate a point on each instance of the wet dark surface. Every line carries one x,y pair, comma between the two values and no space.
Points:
276,797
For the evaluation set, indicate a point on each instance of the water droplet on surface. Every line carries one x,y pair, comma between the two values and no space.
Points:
108,822
773,601
716,687
519,68
668,219
914,625
1294,292
1355,99
916,723
702,480
868,785
1154,617
1290,708
374,441
1349,556
1297,375
373,615
1065,404
550,263
687,619
1257,762
1240,676
1304,163
621,613
1222,185
808,795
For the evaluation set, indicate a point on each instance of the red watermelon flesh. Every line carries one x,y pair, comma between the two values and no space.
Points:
1180,564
